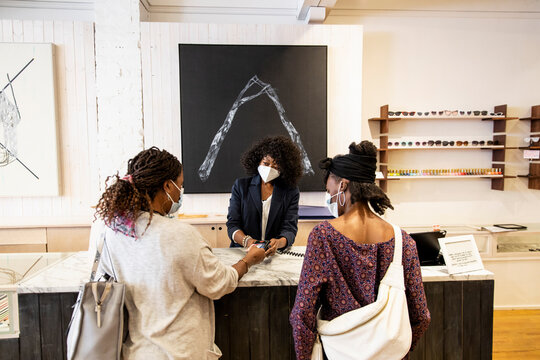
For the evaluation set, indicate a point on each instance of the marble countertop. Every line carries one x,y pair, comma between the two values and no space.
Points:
69,273
64,276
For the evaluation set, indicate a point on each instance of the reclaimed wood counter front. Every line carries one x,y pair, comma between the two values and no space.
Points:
253,321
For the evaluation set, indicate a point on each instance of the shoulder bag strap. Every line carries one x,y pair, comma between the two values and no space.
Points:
394,274
97,257
398,245
110,260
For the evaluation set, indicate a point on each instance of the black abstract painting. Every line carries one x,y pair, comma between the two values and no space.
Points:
234,95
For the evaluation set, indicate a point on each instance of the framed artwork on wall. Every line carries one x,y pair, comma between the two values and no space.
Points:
28,127
234,95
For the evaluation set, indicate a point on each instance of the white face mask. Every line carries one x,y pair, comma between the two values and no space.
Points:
175,204
267,173
333,206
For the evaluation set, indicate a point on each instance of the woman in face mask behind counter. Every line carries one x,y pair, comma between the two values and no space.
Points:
264,206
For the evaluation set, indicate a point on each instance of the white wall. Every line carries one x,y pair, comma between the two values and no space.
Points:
161,97
412,61
118,84
409,61
77,123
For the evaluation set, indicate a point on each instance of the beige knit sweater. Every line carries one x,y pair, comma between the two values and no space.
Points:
171,278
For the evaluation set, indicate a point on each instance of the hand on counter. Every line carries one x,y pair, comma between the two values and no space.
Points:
254,256
274,245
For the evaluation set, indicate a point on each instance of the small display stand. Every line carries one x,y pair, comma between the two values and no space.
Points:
9,312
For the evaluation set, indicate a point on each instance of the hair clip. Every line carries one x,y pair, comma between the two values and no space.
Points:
128,178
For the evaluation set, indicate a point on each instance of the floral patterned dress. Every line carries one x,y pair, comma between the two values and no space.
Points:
341,276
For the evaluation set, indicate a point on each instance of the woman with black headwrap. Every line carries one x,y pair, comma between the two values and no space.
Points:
348,256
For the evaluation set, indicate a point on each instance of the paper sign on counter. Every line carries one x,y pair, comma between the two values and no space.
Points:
461,254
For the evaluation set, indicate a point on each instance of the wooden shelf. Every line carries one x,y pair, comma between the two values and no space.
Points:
384,119
445,148
534,167
413,177
498,151
395,118
500,118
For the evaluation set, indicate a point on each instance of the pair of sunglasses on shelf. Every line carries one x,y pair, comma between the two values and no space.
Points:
443,143
444,113
532,140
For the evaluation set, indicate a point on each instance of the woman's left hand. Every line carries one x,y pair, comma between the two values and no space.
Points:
274,245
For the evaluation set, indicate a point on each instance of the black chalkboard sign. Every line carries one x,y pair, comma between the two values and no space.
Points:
234,95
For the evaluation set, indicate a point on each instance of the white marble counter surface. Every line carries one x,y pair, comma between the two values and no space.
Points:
64,276
280,270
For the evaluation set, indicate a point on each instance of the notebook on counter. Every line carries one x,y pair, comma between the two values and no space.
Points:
314,212
497,228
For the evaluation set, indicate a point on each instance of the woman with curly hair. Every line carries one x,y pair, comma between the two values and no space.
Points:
347,257
170,272
264,206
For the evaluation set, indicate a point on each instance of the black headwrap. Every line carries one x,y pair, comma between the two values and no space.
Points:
359,168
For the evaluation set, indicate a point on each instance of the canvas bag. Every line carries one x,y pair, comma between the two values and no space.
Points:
380,330
96,330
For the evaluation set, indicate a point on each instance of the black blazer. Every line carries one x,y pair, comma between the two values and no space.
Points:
245,210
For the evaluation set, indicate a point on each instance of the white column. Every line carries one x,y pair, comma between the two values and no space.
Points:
118,84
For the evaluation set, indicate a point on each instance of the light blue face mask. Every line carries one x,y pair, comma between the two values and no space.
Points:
333,206
175,204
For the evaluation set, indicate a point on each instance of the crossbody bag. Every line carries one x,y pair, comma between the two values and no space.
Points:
380,330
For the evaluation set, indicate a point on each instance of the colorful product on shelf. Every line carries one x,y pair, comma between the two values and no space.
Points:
444,172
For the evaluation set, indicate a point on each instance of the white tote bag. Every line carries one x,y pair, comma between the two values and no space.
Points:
380,330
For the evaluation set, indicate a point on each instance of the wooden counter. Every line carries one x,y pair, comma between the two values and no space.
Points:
252,322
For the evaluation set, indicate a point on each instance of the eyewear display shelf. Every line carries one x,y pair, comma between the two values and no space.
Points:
498,157
534,167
